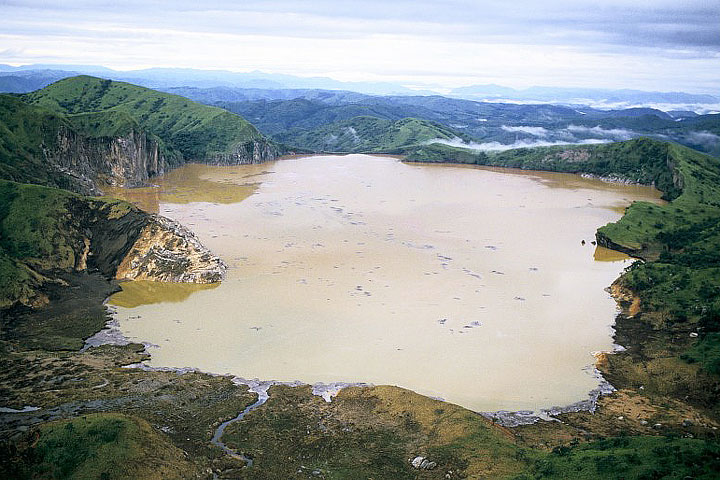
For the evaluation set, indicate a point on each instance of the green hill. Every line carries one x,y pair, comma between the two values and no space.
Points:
189,131
640,160
75,152
83,132
368,134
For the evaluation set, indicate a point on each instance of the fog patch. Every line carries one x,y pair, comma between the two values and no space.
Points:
699,108
706,139
534,131
613,133
499,147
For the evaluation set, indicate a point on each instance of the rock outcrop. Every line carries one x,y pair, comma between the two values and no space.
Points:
165,251
127,160
254,151
66,236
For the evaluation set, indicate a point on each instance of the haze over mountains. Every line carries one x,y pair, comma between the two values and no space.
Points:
26,78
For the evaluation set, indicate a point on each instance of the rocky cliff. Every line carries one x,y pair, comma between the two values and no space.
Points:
48,236
165,251
125,160
254,151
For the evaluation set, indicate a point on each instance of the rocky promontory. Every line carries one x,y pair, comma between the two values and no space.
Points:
166,251
52,237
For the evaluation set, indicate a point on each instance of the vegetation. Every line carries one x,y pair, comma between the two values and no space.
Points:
159,424
291,120
101,446
142,419
369,134
641,458
24,131
188,130
370,433
640,160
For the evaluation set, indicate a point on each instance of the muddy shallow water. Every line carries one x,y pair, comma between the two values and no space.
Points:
468,284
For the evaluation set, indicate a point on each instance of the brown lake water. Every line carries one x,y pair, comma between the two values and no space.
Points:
464,283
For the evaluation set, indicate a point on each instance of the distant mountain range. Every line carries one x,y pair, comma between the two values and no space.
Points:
583,96
32,77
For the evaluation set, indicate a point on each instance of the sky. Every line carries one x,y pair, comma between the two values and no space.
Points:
661,45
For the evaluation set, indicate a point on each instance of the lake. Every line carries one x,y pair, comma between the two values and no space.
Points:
464,283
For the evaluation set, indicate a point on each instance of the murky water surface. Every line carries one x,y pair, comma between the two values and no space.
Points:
467,284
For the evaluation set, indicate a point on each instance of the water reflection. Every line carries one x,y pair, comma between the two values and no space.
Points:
195,183
142,292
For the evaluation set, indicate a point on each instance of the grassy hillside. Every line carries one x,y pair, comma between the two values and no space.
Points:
102,446
640,160
24,131
43,232
368,134
196,131
630,457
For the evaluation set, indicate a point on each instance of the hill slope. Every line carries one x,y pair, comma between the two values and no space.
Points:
368,134
77,152
189,131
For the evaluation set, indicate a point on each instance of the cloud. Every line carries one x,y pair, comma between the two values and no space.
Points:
499,147
614,133
463,41
707,140
534,131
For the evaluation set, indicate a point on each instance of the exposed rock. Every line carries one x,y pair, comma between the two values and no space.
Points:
422,463
626,297
92,161
255,151
88,163
166,251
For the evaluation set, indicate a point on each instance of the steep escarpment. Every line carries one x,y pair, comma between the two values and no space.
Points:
47,148
49,235
82,133
189,131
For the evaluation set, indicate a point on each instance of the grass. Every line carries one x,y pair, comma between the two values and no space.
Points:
101,446
370,433
24,131
198,132
35,225
42,238
640,458
367,134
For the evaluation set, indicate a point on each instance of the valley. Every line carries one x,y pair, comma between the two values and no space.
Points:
61,255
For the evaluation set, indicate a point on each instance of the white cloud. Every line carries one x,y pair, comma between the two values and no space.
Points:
534,131
614,133
498,147
452,43
706,139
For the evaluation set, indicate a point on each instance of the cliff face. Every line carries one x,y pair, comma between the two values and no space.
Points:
165,251
254,151
49,236
91,162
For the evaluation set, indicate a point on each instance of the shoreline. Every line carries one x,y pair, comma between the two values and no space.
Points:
111,335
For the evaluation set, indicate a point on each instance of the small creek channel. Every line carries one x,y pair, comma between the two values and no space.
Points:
262,392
